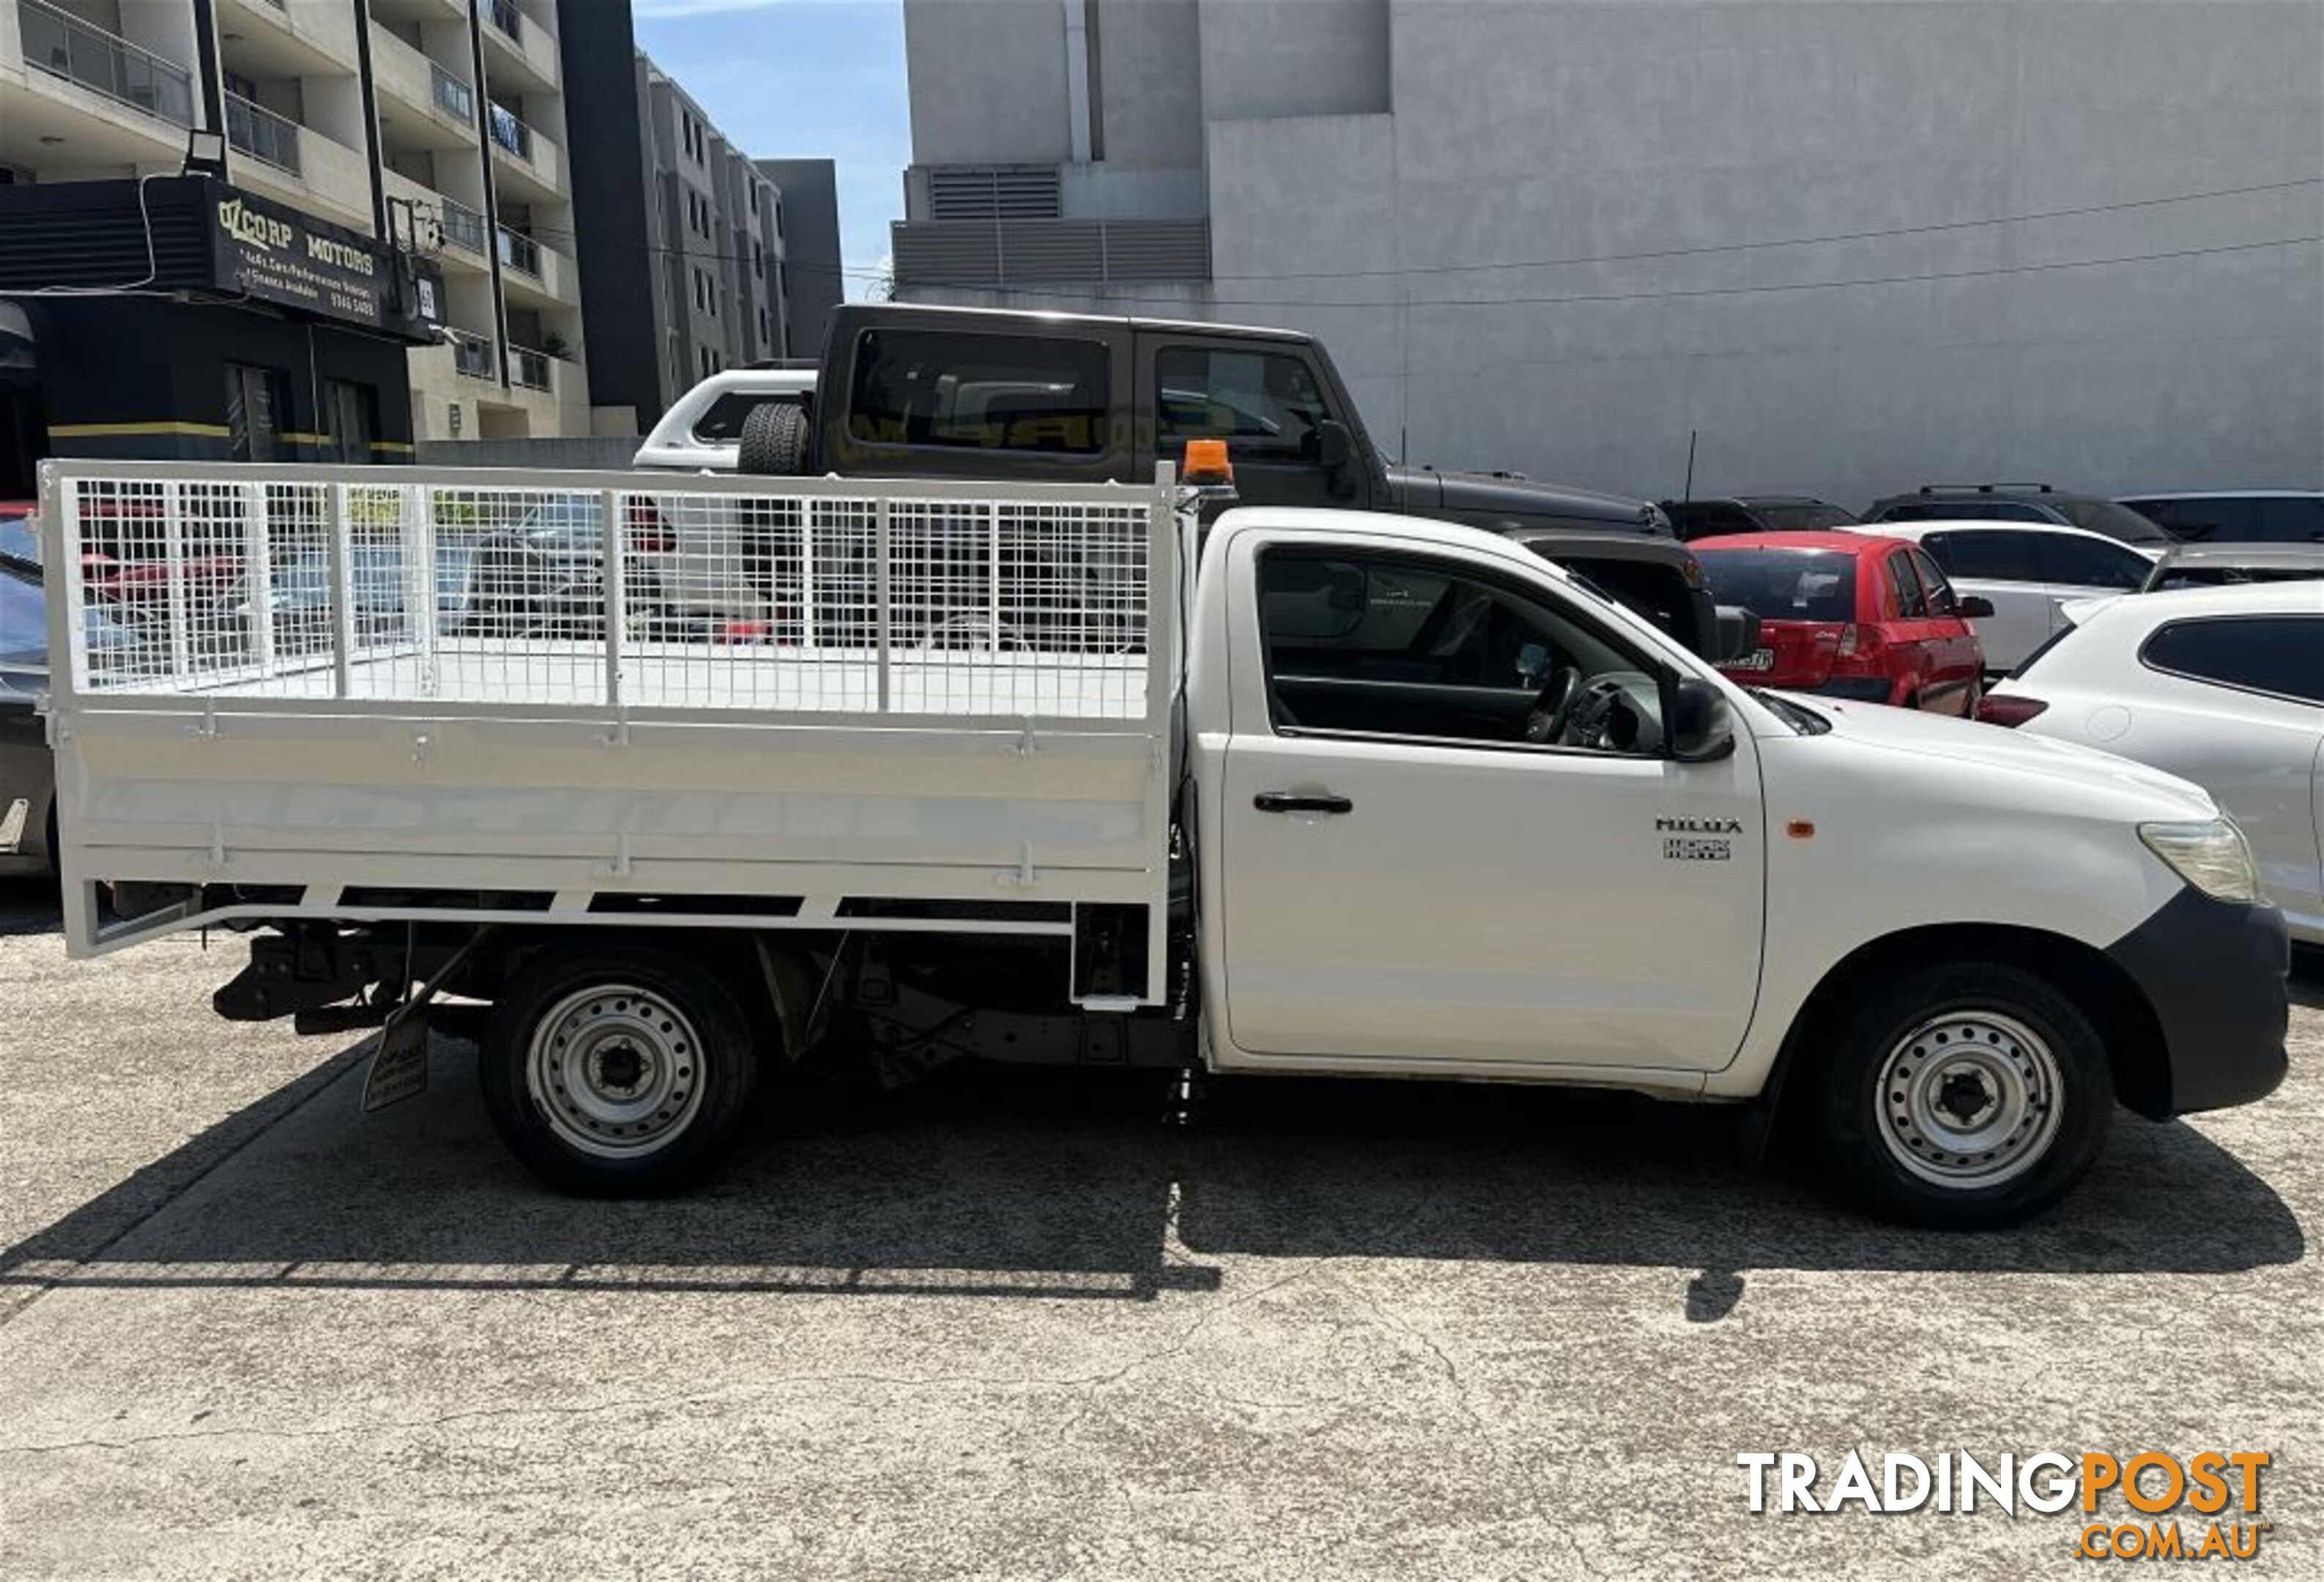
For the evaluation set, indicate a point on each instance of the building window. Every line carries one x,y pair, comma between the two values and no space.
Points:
350,420
765,334
257,408
754,199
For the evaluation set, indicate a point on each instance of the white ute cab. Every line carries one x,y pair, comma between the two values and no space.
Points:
1343,794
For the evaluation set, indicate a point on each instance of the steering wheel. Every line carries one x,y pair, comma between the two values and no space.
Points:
1546,723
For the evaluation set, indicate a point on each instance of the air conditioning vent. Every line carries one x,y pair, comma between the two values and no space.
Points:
994,192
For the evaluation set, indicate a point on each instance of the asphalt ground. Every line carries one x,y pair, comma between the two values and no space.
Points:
1013,1324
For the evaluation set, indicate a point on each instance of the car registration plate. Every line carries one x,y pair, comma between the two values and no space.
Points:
1757,660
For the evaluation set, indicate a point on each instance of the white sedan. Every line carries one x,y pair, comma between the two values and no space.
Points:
2027,571
2224,686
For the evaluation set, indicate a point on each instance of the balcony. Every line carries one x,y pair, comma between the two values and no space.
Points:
286,40
519,252
535,163
298,164
64,46
262,135
454,97
464,227
444,102
519,40
529,369
472,356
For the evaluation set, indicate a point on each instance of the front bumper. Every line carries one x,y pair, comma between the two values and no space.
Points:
2213,972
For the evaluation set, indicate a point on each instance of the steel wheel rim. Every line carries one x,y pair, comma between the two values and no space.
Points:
615,1070
1969,1099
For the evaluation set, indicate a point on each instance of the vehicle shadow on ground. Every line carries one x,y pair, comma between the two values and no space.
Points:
1013,1183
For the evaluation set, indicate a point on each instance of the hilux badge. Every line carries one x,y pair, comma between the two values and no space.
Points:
1697,840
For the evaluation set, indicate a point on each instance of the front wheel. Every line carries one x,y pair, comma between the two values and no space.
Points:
1962,1096
619,1073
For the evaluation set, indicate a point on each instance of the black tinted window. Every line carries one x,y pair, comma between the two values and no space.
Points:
1999,556
978,391
2115,521
1933,580
1912,603
1265,404
2282,654
1963,511
1801,519
2290,521
1784,585
2091,563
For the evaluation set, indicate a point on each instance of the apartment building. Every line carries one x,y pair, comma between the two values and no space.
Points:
813,280
685,236
1846,247
419,141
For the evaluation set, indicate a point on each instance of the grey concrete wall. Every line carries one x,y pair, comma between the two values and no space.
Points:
1534,263
988,81
1149,82
1295,57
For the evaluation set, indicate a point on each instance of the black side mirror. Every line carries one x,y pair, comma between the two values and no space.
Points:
1335,448
1701,727
1970,607
1738,634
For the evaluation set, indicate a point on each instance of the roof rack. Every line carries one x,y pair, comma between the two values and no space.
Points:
1984,488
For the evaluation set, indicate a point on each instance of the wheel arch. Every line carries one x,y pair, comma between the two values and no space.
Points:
768,971
2125,1021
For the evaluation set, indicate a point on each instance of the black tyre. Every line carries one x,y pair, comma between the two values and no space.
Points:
618,1070
774,440
1966,1095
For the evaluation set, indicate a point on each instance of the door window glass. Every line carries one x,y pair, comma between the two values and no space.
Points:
1932,583
1410,647
257,408
2091,563
1996,557
2280,654
1911,603
980,391
351,420
1266,405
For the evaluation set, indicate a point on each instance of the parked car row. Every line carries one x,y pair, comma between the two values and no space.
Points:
2151,522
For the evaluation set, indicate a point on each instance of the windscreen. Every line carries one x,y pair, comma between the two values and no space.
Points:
1783,584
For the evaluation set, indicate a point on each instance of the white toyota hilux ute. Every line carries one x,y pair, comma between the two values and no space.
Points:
1365,796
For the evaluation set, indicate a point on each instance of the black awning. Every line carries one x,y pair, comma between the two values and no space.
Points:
199,235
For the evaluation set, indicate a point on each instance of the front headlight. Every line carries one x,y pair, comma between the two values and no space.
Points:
2213,857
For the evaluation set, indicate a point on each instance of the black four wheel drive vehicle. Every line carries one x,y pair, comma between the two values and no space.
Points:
945,393
959,392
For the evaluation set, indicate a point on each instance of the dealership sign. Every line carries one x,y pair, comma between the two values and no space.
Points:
279,256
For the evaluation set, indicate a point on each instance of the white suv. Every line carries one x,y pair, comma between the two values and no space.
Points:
2223,685
2028,570
712,572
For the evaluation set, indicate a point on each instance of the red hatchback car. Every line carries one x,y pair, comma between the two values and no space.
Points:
1849,615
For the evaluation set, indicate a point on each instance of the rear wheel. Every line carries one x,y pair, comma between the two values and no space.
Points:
619,1073
1962,1096
774,440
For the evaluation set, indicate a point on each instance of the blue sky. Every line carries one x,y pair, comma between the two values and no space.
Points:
801,78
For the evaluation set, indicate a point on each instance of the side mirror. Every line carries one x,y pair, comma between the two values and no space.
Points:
1335,449
1738,634
1972,607
1700,730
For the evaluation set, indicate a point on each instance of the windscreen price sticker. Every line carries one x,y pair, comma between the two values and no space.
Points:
2150,1506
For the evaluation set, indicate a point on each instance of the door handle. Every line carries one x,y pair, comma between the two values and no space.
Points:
1297,802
